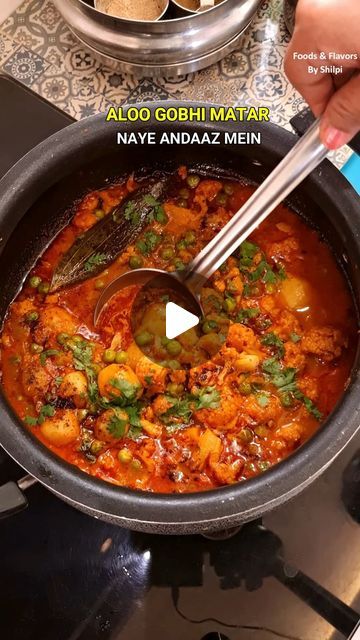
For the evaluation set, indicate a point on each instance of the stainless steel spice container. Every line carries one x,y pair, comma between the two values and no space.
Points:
165,47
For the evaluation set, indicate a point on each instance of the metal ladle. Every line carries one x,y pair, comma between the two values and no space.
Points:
303,158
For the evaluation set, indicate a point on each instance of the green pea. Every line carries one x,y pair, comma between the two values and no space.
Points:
175,389
221,199
245,435
172,364
245,388
264,465
96,368
31,316
181,245
44,287
190,237
173,347
184,193
209,326
229,305
136,262
95,447
109,356
192,180
136,464
229,189
179,265
164,340
144,338
124,456
62,338
99,284
36,348
167,253
121,357
99,213
34,282
182,203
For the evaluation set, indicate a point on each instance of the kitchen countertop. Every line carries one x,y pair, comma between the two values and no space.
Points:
38,49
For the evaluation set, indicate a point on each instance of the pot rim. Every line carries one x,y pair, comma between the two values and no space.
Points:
19,188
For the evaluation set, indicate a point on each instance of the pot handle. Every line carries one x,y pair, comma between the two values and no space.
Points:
12,497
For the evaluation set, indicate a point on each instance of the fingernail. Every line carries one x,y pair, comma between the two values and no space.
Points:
334,138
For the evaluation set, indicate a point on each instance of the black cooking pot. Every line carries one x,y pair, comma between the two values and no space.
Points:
36,199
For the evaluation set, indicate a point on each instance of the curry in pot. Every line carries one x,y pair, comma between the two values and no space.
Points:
97,397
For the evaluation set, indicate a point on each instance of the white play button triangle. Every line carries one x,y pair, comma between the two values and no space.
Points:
178,320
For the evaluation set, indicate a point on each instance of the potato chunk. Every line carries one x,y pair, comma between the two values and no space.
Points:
119,381
112,425
296,293
62,429
74,385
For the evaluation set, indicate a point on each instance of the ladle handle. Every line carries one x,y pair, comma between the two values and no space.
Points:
297,164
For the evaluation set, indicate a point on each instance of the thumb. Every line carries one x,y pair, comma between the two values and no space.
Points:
341,118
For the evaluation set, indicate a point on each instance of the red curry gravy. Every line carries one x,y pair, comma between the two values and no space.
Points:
93,397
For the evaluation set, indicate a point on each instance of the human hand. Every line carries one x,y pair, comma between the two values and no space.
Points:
331,27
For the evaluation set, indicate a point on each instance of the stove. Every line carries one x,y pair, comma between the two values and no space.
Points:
294,575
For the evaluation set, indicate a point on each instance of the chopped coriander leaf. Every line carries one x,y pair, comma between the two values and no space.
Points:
128,390
148,380
180,408
116,426
272,340
281,377
94,261
281,273
58,380
47,354
312,408
245,315
46,411
294,337
148,243
131,214
247,251
207,398
158,212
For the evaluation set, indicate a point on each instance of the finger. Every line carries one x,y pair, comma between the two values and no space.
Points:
341,119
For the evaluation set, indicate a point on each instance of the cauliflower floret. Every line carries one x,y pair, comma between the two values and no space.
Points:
224,416
54,320
241,337
35,378
151,375
324,342
294,356
286,249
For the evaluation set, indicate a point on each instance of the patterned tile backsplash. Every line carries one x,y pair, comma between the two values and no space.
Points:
38,49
